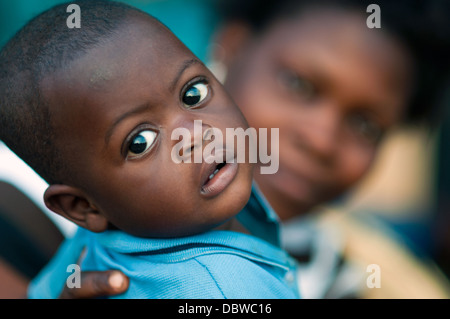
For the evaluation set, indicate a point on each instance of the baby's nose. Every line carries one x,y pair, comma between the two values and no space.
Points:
200,135
207,133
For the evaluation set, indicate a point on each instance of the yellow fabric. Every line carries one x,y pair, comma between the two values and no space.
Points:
402,274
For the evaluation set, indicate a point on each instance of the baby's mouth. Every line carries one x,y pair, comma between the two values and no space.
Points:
218,167
217,177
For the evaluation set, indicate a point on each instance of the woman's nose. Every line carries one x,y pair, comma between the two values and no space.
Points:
318,132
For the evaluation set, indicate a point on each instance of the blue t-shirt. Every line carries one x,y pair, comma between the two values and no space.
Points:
215,264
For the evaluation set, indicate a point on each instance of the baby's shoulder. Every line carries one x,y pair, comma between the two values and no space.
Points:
239,275
213,265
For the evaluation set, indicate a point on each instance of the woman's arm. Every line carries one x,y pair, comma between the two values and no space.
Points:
13,284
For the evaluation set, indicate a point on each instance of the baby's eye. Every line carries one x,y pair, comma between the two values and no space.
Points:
195,94
141,142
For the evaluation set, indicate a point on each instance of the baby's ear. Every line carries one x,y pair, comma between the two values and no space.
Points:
71,203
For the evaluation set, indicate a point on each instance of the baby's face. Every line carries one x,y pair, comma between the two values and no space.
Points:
114,111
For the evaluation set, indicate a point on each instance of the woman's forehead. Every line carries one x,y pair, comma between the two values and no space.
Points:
341,39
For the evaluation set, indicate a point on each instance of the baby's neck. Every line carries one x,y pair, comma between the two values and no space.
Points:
233,225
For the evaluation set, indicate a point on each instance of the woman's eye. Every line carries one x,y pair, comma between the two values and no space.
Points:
366,128
141,142
195,94
295,83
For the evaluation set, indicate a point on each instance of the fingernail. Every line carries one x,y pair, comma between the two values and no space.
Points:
115,280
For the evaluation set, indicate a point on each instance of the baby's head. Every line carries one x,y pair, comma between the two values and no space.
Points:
92,111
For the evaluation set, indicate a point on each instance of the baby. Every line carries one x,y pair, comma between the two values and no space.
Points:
92,110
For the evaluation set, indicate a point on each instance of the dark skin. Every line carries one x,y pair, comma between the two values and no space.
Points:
14,285
333,95
118,105
119,118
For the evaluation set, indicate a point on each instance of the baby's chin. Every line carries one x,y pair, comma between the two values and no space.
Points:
198,215
216,214
207,219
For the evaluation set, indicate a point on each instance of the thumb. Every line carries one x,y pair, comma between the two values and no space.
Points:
95,284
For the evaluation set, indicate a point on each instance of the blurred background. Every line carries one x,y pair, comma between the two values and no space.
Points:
397,215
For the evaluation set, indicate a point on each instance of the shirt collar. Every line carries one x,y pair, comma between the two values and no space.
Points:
259,218
183,247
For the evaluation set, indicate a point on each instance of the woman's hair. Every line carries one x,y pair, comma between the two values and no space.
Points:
422,27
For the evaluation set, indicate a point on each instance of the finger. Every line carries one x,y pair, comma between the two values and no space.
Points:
97,284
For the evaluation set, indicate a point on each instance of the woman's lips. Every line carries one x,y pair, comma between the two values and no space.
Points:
217,177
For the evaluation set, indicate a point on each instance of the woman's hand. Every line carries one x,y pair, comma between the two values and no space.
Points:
95,284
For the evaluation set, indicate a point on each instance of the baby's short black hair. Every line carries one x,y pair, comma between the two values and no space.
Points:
422,27
42,46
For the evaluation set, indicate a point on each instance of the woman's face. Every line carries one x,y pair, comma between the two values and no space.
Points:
332,87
